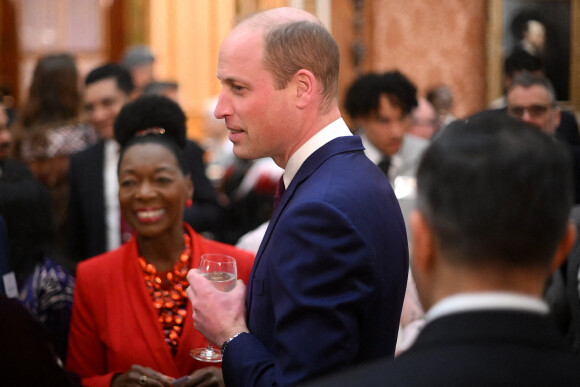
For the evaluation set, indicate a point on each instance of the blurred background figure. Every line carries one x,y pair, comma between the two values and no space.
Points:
140,61
381,106
516,63
9,168
424,120
44,286
167,89
441,98
49,130
219,150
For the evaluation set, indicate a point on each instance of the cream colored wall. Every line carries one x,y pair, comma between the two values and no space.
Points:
185,36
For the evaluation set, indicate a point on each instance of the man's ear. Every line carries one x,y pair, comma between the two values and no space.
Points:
564,246
423,248
306,87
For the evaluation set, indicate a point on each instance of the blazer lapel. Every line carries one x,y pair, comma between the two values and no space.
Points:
312,163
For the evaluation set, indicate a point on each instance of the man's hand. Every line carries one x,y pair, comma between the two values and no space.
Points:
217,315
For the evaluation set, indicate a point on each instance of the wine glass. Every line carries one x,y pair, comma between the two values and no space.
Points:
221,270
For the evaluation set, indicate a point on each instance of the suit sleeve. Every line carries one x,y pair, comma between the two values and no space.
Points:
205,214
86,352
319,272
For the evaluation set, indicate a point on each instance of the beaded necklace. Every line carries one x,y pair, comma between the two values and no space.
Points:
167,290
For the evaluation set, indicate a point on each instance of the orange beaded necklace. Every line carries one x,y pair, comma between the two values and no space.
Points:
167,290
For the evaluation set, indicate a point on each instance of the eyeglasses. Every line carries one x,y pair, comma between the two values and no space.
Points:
533,111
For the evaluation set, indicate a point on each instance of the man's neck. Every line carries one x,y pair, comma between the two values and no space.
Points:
450,281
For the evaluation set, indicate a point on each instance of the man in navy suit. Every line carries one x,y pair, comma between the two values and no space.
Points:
494,195
328,282
93,220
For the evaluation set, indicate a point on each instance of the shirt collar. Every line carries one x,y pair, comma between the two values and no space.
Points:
469,302
333,130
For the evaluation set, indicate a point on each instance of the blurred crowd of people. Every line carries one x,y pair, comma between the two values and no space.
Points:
80,156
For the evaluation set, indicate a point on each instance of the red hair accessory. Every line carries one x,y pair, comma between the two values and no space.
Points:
153,130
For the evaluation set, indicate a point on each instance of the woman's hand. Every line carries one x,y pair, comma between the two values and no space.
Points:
205,377
141,376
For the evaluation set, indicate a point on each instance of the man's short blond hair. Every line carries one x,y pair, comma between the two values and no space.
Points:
303,45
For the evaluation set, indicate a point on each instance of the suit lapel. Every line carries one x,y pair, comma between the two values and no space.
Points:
312,163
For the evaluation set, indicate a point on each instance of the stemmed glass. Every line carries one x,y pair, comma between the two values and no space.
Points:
221,270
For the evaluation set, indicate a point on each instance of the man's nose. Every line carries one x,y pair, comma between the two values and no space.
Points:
526,117
223,106
99,114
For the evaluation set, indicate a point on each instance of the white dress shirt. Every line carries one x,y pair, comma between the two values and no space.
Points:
468,302
111,191
333,130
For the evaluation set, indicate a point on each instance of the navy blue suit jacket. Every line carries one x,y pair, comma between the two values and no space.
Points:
328,282
86,222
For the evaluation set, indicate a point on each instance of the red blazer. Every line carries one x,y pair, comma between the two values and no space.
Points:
114,324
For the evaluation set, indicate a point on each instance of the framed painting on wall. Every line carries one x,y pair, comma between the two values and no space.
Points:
545,29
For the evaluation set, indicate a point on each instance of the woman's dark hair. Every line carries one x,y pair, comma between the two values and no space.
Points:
54,95
152,119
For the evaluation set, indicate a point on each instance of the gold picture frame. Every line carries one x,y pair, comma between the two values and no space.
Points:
496,55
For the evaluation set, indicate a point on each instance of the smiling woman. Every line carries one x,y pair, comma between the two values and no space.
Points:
131,321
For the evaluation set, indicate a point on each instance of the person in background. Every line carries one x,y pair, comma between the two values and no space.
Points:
139,61
9,167
441,98
532,99
94,220
218,149
50,130
481,261
131,323
381,107
44,285
167,89
424,120
335,247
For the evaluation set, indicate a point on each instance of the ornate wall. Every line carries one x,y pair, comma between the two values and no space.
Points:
434,42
